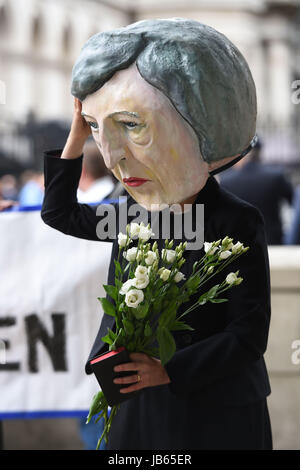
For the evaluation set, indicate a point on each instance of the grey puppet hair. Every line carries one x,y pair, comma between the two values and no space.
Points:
201,72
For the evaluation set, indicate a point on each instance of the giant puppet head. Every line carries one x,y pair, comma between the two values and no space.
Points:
169,102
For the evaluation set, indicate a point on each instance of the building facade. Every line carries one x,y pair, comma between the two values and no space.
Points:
40,40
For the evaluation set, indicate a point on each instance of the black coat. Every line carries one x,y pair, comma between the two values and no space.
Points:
265,188
219,382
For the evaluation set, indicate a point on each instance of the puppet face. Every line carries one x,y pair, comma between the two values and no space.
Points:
146,143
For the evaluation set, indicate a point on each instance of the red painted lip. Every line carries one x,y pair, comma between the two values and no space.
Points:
132,181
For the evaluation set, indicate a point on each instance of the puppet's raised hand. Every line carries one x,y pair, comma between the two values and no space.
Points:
80,131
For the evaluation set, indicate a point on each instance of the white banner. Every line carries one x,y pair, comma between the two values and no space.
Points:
49,316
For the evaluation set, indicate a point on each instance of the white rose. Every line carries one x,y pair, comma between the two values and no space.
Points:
231,278
122,238
145,233
237,247
130,254
224,254
207,246
209,249
165,274
126,286
141,271
179,277
141,282
134,229
151,257
170,255
134,297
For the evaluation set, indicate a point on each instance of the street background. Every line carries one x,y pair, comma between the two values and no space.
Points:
39,43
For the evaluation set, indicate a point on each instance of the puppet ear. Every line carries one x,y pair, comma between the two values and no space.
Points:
216,167
227,162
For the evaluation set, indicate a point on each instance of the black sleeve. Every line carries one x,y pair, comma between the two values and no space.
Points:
244,339
60,209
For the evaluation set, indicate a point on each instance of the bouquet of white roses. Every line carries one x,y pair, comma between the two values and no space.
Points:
149,288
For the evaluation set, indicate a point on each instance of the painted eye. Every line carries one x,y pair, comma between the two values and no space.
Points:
93,125
130,125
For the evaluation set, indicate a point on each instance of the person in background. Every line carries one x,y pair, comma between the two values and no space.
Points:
8,192
264,187
7,204
293,234
8,187
96,183
32,188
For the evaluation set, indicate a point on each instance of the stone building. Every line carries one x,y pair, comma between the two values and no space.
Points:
40,40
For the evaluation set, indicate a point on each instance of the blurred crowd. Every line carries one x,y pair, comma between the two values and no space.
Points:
270,189
27,189
267,187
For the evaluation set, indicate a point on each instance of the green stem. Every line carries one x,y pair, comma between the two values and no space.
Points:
107,425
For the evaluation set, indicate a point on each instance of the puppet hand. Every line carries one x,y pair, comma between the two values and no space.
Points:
148,372
79,133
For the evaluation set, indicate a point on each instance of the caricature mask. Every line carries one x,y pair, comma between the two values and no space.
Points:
167,101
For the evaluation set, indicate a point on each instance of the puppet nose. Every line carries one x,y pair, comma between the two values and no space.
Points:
112,149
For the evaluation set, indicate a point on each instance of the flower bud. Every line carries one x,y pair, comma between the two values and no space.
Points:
122,239
165,274
225,254
179,247
179,277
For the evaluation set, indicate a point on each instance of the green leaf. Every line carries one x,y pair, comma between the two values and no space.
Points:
147,330
112,291
180,325
173,291
98,404
192,283
157,305
128,326
118,269
208,296
212,292
110,337
111,334
167,345
169,314
202,299
141,311
131,346
107,339
108,308
218,301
